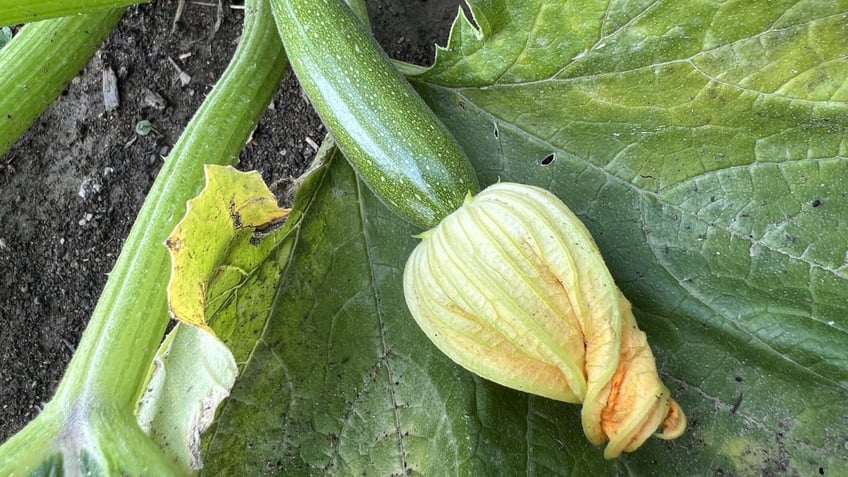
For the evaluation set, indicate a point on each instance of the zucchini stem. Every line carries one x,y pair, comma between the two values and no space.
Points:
14,12
90,423
129,320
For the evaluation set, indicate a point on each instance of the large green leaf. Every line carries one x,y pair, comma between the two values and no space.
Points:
703,144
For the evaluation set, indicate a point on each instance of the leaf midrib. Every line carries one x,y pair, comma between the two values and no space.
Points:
386,351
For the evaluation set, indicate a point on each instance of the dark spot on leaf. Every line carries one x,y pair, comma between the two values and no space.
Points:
739,379
234,215
548,160
821,470
817,203
462,105
497,133
263,230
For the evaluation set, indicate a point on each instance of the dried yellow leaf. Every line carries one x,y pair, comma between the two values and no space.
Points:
217,244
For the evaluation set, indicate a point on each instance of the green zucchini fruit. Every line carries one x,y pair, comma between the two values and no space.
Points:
393,140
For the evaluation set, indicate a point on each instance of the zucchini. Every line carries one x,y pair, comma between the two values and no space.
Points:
392,139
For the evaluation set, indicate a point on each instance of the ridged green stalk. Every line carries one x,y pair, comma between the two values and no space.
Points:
13,12
40,61
103,381
132,312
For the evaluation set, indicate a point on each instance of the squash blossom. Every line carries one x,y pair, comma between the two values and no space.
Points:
512,287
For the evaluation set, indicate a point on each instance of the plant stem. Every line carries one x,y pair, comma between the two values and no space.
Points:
13,12
113,358
40,61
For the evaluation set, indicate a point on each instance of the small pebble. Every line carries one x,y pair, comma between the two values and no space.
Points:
153,100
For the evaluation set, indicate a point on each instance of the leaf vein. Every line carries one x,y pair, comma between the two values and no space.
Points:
536,17
382,327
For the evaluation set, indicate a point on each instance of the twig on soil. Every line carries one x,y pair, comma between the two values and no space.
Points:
185,78
219,18
219,15
68,345
8,165
312,143
178,15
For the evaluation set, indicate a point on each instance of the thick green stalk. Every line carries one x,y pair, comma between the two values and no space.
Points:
40,61
117,347
13,12
91,421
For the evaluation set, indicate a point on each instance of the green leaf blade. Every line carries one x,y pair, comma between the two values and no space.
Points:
343,382
720,168
712,181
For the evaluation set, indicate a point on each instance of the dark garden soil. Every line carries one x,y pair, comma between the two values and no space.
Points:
71,187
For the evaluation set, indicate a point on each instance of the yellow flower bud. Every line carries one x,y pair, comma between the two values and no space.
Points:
512,287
